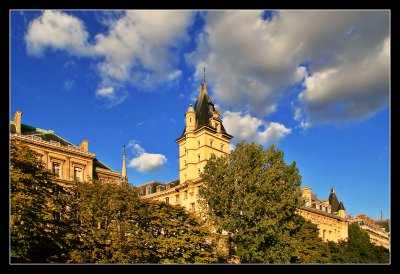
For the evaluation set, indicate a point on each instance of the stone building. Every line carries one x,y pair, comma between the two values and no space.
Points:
378,233
205,135
329,215
69,162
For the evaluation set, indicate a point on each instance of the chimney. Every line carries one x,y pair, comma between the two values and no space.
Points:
17,121
84,145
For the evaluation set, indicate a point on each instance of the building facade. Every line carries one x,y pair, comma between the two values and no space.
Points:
378,233
69,162
203,136
329,215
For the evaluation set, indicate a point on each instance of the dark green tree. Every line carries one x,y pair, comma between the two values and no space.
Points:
310,247
359,249
252,195
38,223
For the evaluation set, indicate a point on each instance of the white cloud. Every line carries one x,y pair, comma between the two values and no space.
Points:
145,162
112,95
139,48
174,75
250,62
105,92
57,30
249,128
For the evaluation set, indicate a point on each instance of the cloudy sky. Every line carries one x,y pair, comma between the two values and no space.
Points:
315,83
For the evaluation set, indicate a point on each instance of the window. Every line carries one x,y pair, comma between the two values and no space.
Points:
177,198
222,147
190,119
78,173
192,206
167,200
211,141
186,194
57,169
198,143
148,190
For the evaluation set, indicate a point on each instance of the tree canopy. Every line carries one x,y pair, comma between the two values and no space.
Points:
252,195
38,205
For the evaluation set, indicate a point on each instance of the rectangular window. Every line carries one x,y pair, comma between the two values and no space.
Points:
222,147
186,194
211,141
148,190
192,207
78,173
177,198
57,169
167,200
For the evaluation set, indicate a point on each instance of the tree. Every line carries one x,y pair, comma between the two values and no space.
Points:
115,226
359,249
252,195
310,247
38,207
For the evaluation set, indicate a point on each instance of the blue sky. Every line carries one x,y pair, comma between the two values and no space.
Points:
315,83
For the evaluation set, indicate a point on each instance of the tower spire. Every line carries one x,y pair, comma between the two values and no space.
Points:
124,177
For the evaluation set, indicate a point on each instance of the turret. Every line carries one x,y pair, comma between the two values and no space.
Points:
190,119
333,201
341,210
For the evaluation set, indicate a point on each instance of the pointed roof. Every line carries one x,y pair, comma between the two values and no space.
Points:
341,206
333,201
204,109
124,176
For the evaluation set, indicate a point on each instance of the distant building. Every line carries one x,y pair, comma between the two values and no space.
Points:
69,162
329,215
378,231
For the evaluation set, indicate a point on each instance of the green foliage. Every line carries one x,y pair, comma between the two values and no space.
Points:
38,209
115,226
358,249
252,195
310,247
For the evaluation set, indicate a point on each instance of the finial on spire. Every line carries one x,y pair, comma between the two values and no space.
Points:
204,68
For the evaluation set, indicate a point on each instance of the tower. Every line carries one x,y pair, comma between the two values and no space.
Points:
341,209
124,176
204,135
333,201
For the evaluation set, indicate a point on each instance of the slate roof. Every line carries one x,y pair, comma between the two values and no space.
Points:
341,206
46,135
97,163
333,201
204,109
